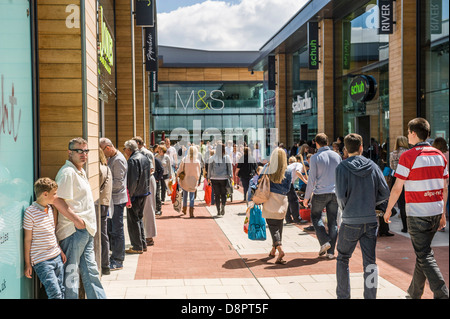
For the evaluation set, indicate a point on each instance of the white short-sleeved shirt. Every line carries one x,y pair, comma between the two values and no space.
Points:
74,188
293,168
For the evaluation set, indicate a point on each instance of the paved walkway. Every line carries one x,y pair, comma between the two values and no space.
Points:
210,257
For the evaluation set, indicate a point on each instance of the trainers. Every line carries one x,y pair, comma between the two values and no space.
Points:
331,256
115,266
324,248
105,271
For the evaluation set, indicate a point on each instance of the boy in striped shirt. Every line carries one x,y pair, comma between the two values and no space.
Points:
424,173
42,252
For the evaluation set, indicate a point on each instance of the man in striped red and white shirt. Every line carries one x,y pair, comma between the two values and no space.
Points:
423,172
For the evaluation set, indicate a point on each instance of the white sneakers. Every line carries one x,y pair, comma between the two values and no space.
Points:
324,248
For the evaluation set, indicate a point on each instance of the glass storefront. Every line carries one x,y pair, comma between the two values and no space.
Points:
434,80
304,97
16,144
212,105
360,50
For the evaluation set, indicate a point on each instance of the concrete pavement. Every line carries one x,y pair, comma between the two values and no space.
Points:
210,257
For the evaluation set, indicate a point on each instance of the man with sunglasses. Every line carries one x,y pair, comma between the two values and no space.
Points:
77,225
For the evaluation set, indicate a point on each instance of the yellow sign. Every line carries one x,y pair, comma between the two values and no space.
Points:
106,49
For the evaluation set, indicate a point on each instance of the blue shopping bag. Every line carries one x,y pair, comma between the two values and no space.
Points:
257,224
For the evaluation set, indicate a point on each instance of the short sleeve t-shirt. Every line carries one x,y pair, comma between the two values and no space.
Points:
424,170
39,220
74,188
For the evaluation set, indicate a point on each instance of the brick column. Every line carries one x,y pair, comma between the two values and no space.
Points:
402,71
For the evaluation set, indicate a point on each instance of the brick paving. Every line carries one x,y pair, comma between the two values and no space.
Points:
210,257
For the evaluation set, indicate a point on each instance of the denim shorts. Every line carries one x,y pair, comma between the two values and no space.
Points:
51,275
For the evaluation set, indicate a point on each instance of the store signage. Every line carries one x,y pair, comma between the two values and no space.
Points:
106,47
151,49
302,103
386,16
200,103
436,16
272,73
145,13
363,88
346,44
313,45
153,81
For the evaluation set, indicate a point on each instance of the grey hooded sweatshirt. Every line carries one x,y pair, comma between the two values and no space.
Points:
360,187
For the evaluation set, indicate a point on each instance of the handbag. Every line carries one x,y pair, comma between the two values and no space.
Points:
276,206
262,192
256,225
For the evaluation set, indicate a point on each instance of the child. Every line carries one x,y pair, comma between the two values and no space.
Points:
253,183
42,252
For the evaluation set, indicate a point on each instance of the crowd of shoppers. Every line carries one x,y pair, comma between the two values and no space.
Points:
341,179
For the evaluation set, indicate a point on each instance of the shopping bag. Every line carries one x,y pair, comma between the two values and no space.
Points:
208,192
247,220
257,224
173,195
178,204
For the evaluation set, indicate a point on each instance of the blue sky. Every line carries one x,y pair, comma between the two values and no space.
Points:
239,25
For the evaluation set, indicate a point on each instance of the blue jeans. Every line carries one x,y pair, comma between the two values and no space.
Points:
318,203
79,250
349,236
51,275
117,235
422,231
191,198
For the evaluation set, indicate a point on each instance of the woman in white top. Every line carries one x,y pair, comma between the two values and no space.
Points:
188,175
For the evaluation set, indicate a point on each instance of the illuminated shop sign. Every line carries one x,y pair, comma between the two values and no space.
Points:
106,47
303,103
145,13
386,16
363,88
201,102
313,45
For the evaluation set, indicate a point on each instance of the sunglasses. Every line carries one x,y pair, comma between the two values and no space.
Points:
79,151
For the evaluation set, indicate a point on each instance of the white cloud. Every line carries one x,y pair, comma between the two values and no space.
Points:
218,25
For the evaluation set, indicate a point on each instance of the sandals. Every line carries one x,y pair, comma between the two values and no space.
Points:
280,260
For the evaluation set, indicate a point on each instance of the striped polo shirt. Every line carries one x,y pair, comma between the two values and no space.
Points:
424,170
40,221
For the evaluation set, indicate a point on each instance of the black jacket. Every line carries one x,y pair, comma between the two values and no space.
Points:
159,170
138,175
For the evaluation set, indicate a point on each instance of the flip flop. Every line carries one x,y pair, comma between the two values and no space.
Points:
280,261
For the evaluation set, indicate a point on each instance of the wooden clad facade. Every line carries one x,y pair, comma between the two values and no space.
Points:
66,83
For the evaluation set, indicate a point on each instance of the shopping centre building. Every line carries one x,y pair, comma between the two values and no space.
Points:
77,68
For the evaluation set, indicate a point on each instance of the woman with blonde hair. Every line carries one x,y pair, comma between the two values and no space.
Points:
188,176
275,208
401,146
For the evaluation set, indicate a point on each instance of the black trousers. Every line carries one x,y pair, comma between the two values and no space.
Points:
220,192
293,212
135,223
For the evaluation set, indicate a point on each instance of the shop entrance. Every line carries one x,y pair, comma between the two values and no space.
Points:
362,126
